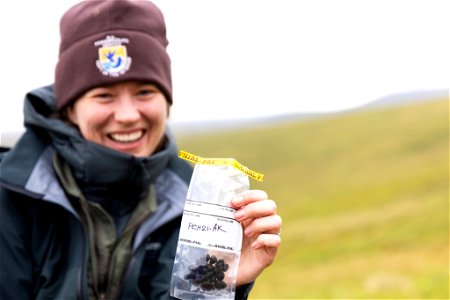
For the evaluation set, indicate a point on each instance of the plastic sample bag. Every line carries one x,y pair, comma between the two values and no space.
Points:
210,240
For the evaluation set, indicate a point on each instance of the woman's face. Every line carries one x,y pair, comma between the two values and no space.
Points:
129,117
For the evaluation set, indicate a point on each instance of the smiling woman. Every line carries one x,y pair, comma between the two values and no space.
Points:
129,117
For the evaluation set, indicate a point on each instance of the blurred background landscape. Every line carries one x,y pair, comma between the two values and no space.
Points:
363,193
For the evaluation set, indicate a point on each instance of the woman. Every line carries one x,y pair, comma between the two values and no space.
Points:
92,194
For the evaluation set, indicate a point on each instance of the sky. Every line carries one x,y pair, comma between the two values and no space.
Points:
241,59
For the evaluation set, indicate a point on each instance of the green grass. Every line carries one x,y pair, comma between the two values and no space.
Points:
364,197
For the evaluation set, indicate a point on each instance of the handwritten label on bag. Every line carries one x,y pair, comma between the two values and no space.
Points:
210,226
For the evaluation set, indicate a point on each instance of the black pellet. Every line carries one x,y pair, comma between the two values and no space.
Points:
212,259
220,285
220,276
220,262
207,286
225,267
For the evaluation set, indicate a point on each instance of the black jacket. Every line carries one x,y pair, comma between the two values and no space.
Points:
44,250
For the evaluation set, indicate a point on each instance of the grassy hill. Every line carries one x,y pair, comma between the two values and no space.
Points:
364,197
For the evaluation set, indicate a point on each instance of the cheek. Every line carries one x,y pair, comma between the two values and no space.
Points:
90,124
163,119
157,113
157,125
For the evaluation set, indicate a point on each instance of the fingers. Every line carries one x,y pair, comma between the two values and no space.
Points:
259,218
264,225
248,197
269,241
258,209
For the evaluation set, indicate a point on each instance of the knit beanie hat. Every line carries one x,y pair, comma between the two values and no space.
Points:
109,41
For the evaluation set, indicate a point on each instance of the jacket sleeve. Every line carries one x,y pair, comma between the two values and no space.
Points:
15,259
243,291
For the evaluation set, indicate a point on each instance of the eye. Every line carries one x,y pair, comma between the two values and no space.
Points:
144,92
102,95
147,91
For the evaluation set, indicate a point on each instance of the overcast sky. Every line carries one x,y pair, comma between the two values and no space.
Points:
252,58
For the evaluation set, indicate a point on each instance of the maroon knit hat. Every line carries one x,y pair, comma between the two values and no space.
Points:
109,41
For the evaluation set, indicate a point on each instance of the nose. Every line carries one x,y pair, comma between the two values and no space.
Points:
126,110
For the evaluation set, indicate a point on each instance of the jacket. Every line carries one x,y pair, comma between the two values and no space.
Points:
44,246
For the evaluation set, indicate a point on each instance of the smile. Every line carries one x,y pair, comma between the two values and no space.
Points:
127,137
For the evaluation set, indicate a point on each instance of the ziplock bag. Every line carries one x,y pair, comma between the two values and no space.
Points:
210,240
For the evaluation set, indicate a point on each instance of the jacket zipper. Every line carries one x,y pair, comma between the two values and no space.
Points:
82,264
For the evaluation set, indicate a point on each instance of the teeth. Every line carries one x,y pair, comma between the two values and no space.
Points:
127,137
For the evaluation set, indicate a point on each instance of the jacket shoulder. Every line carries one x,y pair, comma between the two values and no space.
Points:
3,152
182,168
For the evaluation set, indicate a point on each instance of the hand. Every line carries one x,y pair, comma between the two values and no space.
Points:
261,225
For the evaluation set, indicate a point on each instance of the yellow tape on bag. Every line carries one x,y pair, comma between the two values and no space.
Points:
221,162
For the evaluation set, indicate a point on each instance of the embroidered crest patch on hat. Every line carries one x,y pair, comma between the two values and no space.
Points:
112,56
